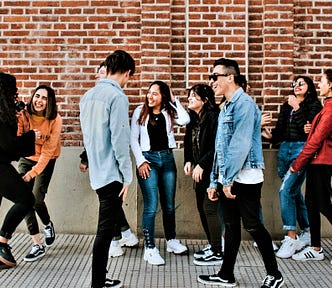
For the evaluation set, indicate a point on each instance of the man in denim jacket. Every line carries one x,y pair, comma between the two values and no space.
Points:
237,175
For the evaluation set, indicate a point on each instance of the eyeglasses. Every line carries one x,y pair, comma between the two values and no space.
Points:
300,83
215,76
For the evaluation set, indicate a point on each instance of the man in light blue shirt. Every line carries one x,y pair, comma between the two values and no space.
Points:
237,175
106,136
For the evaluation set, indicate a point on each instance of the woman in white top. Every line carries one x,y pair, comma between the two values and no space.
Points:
152,141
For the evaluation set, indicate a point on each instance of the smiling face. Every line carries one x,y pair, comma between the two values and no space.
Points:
154,98
300,87
39,101
220,86
324,86
195,102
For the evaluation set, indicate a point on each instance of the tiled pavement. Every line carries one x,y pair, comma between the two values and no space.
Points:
68,264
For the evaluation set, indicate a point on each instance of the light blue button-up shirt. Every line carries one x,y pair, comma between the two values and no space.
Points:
106,133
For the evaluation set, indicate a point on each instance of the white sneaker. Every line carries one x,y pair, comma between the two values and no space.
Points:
305,239
309,254
129,241
289,247
153,257
115,251
176,247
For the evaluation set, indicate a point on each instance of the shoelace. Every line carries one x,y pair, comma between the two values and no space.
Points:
35,248
268,280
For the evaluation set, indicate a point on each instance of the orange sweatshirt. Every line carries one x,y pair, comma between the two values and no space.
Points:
48,146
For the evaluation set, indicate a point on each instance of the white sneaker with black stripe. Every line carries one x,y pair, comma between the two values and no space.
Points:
309,254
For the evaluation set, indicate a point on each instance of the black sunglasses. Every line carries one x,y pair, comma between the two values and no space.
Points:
300,83
215,76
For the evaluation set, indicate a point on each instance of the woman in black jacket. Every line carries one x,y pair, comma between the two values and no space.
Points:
300,109
12,186
198,158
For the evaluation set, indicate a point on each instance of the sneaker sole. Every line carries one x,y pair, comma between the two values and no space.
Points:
211,263
50,245
8,263
309,259
216,283
155,264
33,259
115,255
184,252
130,244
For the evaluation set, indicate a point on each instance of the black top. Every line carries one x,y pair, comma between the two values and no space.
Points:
290,125
13,147
157,133
199,142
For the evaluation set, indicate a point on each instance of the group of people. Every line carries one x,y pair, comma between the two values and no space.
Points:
222,153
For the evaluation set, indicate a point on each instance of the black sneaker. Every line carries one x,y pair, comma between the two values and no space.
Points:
36,252
6,256
215,279
49,235
112,283
214,259
273,282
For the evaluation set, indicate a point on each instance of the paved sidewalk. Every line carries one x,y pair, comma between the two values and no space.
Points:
68,264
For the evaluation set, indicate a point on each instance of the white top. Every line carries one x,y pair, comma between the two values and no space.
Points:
139,136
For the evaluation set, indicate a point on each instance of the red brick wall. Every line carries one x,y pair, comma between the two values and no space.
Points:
60,43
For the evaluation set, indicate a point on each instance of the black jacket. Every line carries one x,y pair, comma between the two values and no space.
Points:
207,134
289,127
13,147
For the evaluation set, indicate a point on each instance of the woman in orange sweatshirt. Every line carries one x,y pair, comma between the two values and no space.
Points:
40,115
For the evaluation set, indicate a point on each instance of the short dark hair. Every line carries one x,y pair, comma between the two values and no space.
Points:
51,110
231,68
120,61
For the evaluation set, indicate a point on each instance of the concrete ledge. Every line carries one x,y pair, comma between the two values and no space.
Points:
73,204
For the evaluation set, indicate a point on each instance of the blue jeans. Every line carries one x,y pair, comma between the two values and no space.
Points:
292,204
162,181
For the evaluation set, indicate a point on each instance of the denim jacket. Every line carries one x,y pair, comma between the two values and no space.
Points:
238,143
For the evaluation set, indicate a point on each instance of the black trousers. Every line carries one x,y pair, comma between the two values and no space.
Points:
13,188
246,207
110,206
318,198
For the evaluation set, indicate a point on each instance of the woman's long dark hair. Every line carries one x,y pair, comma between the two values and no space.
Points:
207,96
8,92
311,95
165,104
51,110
